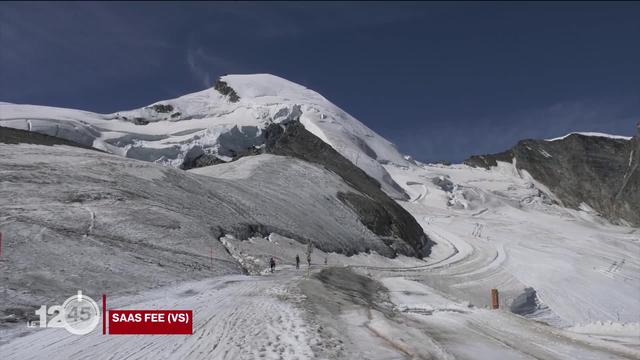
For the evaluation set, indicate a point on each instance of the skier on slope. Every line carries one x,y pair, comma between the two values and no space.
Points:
297,261
272,263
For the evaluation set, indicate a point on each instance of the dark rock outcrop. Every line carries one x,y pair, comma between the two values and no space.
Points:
140,121
377,210
197,157
443,183
601,172
162,108
201,161
526,303
626,203
489,160
223,88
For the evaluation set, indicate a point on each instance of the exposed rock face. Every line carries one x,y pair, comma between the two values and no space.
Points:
140,121
526,303
196,157
443,183
226,90
16,136
627,201
161,108
206,160
377,211
489,160
601,172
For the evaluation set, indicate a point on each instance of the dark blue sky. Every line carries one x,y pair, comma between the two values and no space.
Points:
442,81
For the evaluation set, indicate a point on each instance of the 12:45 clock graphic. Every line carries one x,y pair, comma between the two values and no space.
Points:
79,315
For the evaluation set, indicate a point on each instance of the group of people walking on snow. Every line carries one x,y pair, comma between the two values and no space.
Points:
272,262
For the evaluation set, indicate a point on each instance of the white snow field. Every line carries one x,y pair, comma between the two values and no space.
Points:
336,314
498,229
571,278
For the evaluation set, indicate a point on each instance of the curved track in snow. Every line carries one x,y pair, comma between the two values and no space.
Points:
507,238
423,190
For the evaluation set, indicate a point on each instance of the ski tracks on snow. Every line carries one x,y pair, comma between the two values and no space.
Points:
235,317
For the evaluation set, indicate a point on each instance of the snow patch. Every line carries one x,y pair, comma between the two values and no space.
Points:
544,153
596,134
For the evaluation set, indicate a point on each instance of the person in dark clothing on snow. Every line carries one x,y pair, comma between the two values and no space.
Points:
272,262
297,262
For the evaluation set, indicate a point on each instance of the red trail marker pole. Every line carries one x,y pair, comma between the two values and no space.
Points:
104,314
495,299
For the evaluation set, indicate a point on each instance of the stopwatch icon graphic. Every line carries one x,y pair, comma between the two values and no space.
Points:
81,314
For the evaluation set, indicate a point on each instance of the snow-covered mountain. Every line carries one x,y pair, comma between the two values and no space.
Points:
223,121
266,167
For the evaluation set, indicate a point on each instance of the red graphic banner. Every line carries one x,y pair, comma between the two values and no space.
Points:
150,322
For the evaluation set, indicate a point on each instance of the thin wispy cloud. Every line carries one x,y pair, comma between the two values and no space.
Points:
205,66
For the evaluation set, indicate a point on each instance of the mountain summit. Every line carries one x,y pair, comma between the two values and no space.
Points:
221,123
259,168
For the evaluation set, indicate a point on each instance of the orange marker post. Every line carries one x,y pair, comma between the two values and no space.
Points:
495,299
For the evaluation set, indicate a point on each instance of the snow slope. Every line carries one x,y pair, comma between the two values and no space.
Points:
499,228
235,317
77,218
210,122
336,314
494,228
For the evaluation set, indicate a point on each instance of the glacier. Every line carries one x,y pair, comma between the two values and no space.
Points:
202,119
154,236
